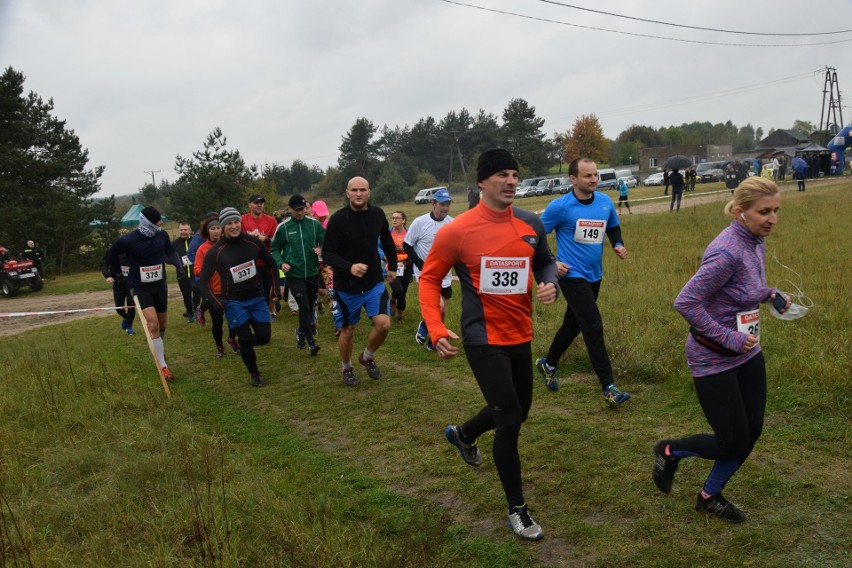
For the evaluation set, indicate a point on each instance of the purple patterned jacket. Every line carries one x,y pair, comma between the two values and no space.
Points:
731,279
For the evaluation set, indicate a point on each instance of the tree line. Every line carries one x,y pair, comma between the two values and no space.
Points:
47,188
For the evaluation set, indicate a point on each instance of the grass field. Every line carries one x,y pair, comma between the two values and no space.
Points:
98,469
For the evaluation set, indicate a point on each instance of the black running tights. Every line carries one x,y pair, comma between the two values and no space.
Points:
250,334
504,374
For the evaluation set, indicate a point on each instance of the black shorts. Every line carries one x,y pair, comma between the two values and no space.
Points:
152,296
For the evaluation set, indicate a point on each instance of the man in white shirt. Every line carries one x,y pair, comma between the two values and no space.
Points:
418,243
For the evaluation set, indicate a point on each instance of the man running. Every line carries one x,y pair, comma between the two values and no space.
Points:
239,259
296,246
350,249
418,242
496,250
581,219
147,249
262,226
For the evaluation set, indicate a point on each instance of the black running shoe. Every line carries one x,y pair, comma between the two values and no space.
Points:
721,507
257,380
314,349
664,468
372,369
301,343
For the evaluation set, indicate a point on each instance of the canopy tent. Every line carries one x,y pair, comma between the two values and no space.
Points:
131,218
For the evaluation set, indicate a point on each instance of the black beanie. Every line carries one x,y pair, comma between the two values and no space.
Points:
494,160
151,214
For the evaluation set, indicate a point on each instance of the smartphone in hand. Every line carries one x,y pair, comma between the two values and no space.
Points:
779,302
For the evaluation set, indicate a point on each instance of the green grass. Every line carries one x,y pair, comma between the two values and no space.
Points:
96,468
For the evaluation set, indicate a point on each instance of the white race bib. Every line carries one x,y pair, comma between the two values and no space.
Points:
589,231
749,322
400,269
243,272
504,275
185,260
151,273
125,270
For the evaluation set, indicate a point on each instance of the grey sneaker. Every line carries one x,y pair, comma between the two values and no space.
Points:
469,452
523,524
372,369
349,377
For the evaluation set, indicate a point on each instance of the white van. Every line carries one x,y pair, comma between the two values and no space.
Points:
607,178
425,195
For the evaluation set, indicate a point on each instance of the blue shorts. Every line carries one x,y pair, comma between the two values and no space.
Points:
238,312
375,302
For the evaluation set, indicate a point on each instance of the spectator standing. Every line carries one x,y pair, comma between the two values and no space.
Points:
666,181
472,197
184,271
676,180
350,249
581,219
31,252
622,194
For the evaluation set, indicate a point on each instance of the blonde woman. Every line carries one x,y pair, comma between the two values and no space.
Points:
721,303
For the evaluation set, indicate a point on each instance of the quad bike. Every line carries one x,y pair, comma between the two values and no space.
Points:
17,273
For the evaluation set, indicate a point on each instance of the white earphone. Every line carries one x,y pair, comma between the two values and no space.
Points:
743,216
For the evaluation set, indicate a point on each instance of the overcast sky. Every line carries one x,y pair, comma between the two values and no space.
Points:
142,81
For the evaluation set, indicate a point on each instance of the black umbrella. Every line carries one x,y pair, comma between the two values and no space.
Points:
677,163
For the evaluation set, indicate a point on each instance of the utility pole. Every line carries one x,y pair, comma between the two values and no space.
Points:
152,172
828,124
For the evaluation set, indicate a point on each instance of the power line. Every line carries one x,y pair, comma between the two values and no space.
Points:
634,34
687,26
709,96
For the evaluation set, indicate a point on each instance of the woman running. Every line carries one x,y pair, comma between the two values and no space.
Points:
404,270
721,302
211,230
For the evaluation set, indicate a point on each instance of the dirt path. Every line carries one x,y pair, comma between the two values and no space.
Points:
43,301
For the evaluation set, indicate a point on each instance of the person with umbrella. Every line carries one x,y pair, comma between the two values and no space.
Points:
677,188
800,169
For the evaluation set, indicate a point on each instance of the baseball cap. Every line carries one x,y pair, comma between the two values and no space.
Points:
256,197
442,196
297,202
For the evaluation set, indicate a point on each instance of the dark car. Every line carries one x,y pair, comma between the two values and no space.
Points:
709,172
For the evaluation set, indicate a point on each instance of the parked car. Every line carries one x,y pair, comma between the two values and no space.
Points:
654,179
524,191
547,186
564,186
425,195
632,181
525,185
708,172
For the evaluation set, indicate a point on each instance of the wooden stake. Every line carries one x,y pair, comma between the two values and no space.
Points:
151,347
